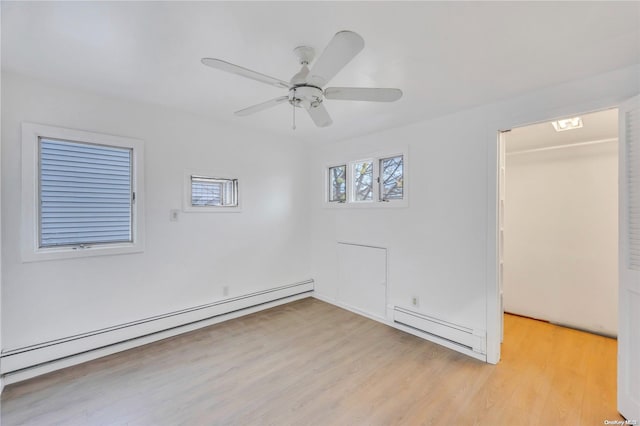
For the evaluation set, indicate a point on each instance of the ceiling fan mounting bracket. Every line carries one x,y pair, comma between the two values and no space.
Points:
305,54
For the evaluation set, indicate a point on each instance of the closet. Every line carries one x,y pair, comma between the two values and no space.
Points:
561,223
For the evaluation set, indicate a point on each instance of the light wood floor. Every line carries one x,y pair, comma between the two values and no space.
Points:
311,363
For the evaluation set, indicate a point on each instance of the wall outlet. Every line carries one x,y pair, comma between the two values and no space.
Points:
225,290
415,301
173,215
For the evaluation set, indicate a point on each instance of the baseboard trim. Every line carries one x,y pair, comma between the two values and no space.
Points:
440,341
24,363
405,328
349,308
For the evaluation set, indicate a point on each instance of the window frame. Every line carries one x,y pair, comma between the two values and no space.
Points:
351,190
187,207
376,201
30,190
380,182
329,181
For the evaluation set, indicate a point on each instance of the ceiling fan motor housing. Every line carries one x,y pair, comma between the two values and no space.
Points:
305,96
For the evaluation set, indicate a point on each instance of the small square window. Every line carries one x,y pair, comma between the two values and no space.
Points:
213,192
391,178
363,181
338,184
205,193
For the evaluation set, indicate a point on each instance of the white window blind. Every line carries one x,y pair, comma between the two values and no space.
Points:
85,193
632,136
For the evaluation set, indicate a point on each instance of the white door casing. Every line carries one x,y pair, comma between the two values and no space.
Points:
501,211
629,261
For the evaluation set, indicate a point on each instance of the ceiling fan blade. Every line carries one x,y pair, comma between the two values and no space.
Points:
370,94
344,46
262,106
236,69
320,116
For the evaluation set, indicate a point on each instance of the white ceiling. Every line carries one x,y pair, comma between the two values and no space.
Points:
597,126
444,56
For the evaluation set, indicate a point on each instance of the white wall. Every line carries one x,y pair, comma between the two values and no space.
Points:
436,247
561,235
186,263
443,248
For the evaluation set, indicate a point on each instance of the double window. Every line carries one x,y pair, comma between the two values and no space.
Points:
81,192
379,179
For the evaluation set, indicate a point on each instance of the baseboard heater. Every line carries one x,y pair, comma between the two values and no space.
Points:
455,336
149,329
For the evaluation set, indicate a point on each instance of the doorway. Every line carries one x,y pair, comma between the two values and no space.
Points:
559,222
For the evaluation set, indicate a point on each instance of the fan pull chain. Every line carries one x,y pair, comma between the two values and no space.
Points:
293,104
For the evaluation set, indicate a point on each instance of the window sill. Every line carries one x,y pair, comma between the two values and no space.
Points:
31,255
398,204
190,209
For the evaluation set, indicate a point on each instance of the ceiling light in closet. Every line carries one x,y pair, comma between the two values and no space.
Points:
567,124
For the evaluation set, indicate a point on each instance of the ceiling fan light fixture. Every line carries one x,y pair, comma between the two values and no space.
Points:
305,96
567,124
307,87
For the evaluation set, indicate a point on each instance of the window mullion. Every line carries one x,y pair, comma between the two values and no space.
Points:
376,181
350,186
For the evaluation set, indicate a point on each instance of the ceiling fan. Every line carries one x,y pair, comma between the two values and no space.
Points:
306,87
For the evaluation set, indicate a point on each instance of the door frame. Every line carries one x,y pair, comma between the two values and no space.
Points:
629,276
495,129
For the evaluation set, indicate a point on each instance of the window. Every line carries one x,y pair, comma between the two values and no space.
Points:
362,181
374,182
81,193
391,178
338,184
210,194
85,194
